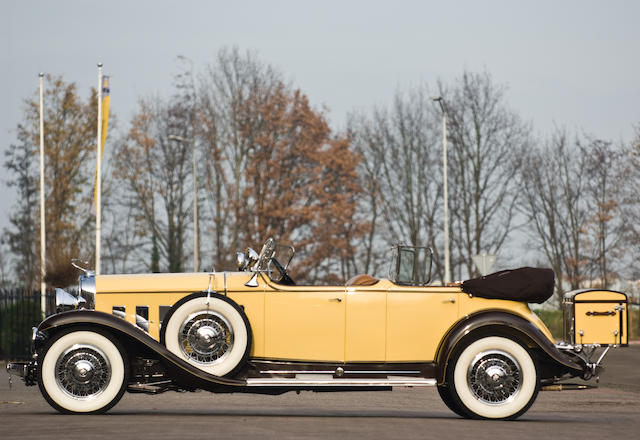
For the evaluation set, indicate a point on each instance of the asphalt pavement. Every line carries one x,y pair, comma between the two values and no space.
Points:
611,410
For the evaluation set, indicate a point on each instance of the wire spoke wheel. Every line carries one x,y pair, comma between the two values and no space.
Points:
83,371
210,331
206,337
494,377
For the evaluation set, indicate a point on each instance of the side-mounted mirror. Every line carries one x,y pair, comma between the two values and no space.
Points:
411,265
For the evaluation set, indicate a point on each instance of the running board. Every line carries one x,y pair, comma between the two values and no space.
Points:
321,382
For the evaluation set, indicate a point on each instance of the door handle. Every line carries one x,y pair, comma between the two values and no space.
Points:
450,300
336,299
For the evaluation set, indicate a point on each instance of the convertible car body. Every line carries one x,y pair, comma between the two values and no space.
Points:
256,331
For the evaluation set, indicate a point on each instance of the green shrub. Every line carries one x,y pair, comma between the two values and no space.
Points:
553,319
634,321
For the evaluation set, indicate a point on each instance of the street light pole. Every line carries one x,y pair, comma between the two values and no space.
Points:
43,241
196,240
99,173
447,265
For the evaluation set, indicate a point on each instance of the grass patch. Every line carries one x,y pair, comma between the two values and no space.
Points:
553,320
634,321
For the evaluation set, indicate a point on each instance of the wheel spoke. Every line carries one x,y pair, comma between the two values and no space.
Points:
83,371
494,377
206,337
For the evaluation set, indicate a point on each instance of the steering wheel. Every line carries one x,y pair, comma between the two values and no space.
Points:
284,276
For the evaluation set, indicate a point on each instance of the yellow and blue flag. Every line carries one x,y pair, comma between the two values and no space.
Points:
105,125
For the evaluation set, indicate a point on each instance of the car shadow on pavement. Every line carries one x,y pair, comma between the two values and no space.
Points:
319,413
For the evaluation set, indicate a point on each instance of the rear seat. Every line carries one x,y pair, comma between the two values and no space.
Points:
362,280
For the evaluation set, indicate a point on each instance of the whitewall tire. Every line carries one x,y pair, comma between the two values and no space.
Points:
83,371
210,332
445,395
494,378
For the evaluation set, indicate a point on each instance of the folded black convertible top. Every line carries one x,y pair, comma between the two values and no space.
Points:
526,284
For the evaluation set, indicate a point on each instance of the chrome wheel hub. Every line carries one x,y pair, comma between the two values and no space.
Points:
83,371
494,377
206,337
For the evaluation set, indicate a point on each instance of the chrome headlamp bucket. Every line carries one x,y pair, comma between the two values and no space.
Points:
85,299
87,290
66,301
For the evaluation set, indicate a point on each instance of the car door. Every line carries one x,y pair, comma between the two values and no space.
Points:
305,323
417,320
366,317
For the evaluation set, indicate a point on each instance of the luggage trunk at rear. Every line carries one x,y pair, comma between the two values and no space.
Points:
596,317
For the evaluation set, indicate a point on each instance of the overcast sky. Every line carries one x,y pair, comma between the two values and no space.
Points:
568,63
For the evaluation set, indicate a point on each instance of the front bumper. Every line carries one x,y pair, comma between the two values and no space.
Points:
25,370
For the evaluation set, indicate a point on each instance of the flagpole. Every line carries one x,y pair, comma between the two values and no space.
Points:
43,266
98,171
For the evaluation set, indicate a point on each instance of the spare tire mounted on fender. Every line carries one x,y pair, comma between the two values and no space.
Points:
208,330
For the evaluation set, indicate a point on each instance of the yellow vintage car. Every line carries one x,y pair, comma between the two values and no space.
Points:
256,331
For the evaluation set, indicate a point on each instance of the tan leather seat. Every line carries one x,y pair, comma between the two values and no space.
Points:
361,280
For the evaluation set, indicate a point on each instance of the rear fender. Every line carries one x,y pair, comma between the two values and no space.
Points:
500,323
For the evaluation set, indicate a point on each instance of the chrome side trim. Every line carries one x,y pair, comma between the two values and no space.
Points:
396,372
297,372
387,382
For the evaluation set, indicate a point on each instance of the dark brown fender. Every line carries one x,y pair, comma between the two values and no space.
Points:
179,369
498,323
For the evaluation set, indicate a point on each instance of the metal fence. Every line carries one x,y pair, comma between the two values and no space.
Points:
19,311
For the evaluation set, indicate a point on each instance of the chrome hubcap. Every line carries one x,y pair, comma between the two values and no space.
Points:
83,371
206,337
494,377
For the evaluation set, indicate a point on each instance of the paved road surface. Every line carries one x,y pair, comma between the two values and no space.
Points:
611,411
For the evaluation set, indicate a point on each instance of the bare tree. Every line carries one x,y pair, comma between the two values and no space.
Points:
225,125
631,204
121,240
5,280
401,173
372,247
22,236
487,140
553,186
605,227
156,171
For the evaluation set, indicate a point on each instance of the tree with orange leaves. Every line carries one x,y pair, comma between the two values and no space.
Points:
301,185
272,167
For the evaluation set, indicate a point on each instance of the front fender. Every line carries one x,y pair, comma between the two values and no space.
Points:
179,369
499,323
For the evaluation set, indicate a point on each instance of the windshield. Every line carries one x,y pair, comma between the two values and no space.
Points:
270,250
410,265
